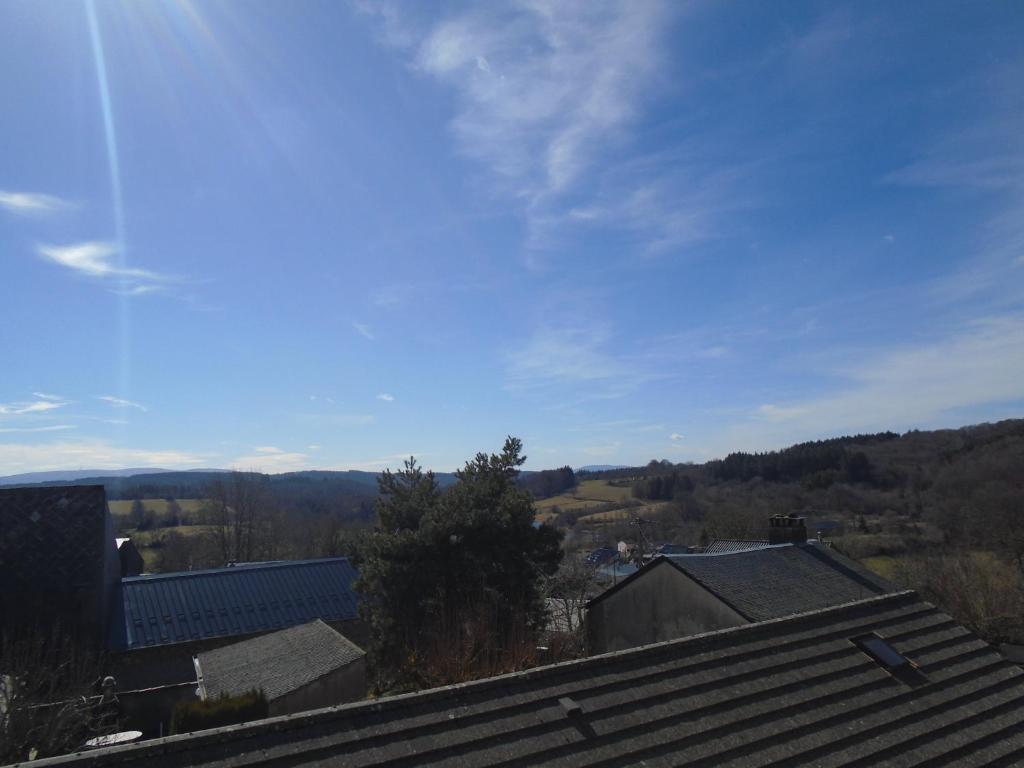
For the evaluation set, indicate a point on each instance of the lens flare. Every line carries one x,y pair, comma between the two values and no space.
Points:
124,319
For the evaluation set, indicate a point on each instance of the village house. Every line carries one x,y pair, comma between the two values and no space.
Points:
679,595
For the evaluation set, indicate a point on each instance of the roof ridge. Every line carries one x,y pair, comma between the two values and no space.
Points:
228,569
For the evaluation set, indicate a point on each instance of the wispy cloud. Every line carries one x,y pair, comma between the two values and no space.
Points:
982,161
902,387
578,362
675,437
363,330
97,259
91,454
52,428
543,86
553,355
386,397
337,419
25,407
93,259
610,448
30,203
45,396
271,459
388,462
546,94
120,402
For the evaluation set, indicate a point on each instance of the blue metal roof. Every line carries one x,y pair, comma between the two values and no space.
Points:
166,608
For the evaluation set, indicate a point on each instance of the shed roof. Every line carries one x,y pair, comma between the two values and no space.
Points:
159,609
277,663
797,691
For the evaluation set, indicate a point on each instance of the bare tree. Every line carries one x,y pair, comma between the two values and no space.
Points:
239,512
567,593
48,701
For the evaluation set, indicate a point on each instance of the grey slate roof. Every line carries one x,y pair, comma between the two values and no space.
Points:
721,546
782,579
794,691
277,663
165,608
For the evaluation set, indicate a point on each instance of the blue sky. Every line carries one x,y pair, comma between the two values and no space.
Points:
321,235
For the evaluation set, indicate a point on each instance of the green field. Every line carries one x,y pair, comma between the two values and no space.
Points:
589,493
616,515
121,507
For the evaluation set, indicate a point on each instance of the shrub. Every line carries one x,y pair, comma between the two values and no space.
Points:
199,715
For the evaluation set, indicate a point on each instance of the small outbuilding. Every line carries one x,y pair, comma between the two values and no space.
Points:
680,595
300,668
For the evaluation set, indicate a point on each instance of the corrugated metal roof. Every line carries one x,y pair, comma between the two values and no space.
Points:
160,609
721,546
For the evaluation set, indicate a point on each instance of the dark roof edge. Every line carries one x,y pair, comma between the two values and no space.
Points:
227,569
169,745
836,561
238,638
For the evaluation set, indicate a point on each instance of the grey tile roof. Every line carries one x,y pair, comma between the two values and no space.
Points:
782,579
277,663
159,609
794,691
721,546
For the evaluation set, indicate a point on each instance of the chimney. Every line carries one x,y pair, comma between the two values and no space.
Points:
787,529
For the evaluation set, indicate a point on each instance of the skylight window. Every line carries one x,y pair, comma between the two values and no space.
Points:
882,652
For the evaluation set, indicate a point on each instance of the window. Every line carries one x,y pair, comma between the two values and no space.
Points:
882,652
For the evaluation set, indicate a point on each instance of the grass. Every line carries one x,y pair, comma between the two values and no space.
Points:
145,538
883,565
122,507
615,515
589,493
566,502
599,490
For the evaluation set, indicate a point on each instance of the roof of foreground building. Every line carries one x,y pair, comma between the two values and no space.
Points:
888,680
164,608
